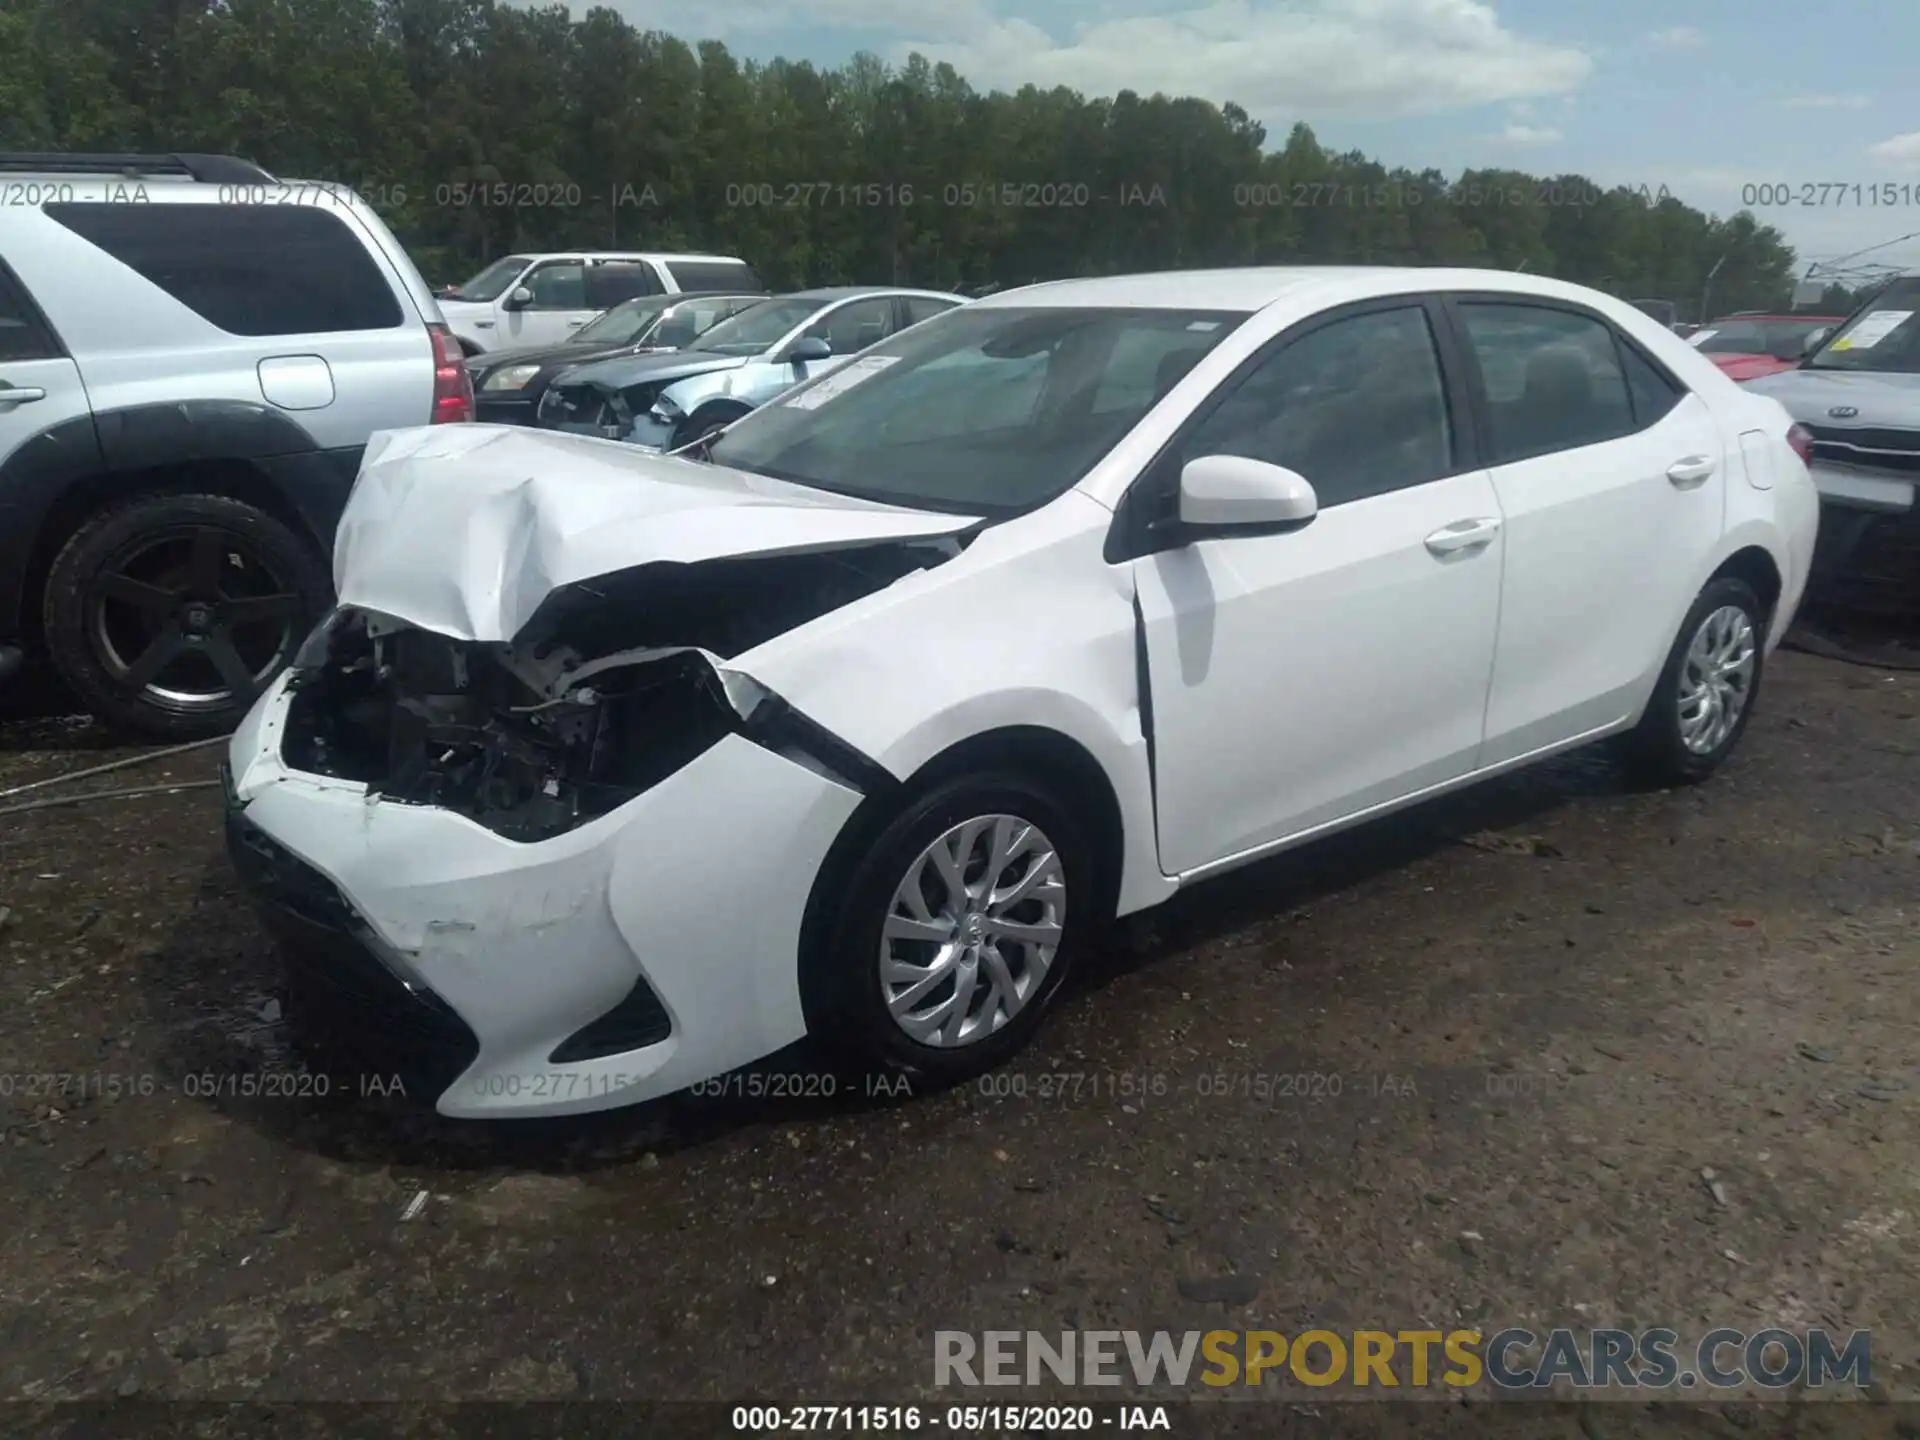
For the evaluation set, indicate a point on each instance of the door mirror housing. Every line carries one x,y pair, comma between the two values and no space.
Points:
1814,341
810,347
520,298
1232,493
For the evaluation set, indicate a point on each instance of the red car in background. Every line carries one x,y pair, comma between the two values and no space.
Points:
1749,346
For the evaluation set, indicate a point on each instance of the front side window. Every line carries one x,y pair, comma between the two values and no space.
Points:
853,327
492,282
1357,406
248,269
558,285
1553,378
982,411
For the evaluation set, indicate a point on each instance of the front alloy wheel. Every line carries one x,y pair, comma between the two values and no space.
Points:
938,939
972,930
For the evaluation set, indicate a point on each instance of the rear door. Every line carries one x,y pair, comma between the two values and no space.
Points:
1611,476
612,282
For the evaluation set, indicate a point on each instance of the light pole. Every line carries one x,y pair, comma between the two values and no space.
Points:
1707,289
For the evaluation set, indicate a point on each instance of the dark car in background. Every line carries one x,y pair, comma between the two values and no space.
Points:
508,384
662,401
1858,395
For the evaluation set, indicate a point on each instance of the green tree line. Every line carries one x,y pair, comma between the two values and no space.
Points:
480,128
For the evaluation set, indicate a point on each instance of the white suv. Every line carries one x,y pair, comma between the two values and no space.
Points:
527,300
193,355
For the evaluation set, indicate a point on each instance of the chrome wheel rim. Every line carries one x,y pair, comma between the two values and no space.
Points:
1716,679
972,931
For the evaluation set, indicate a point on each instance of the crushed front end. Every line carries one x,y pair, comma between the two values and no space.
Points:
571,870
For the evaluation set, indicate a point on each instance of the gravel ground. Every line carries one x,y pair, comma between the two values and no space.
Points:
1548,1007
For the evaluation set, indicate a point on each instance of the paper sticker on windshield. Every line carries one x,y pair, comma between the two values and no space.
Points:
1701,336
1872,329
1204,325
840,381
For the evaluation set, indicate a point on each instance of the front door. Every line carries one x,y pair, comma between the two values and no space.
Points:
1300,678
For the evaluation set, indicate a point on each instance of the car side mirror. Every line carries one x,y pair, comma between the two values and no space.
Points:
1814,341
810,347
1235,493
520,298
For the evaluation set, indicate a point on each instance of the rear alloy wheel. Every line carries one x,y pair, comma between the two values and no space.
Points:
1706,692
168,615
956,928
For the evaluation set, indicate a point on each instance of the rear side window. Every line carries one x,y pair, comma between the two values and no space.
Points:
613,281
713,275
22,335
249,269
1653,393
920,307
1553,379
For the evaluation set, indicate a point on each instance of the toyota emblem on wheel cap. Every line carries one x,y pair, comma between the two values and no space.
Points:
1844,412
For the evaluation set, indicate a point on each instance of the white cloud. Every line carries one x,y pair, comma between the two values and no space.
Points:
1827,102
1367,59
1901,150
1372,59
1529,135
1677,37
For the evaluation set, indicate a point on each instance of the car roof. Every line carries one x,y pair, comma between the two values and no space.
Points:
668,255
1255,287
825,293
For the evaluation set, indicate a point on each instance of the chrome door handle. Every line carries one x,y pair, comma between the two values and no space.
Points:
1691,471
1463,535
20,394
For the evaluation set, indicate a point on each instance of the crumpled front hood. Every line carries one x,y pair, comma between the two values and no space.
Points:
624,370
466,529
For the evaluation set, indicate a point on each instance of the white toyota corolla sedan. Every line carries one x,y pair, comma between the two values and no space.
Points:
614,772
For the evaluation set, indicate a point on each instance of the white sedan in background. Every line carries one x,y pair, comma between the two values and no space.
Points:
614,772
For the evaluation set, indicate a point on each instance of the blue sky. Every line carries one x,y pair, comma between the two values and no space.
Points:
1706,97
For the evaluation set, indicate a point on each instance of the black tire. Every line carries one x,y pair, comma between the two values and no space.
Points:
841,974
132,578
698,427
1656,750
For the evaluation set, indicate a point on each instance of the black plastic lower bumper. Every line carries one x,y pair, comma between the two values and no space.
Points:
345,1003
1867,560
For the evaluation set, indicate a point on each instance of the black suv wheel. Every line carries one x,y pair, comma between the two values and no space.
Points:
168,614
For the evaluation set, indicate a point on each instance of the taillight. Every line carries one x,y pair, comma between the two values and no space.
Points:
452,386
1801,439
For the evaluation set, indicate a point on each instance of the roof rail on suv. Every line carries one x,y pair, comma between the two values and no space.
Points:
208,169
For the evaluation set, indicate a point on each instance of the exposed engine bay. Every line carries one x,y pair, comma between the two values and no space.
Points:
579,713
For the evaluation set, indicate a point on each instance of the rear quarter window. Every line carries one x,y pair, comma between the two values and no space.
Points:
248,269
713,275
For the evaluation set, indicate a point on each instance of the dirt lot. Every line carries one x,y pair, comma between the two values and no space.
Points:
1548,1007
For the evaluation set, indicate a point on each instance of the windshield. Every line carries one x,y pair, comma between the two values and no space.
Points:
978,411
492,281
626,322
1784,338
1884,336
757,327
